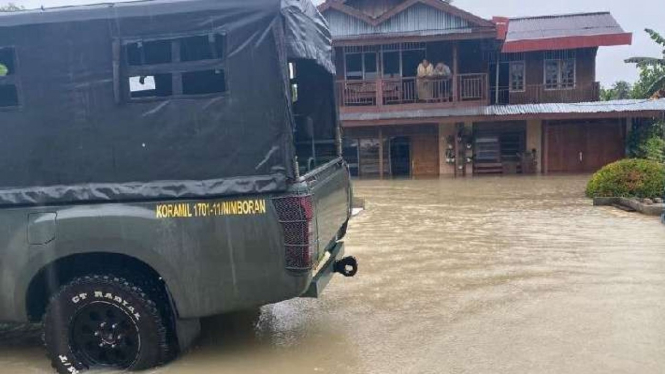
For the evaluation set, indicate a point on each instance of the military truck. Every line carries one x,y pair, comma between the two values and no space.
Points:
163,161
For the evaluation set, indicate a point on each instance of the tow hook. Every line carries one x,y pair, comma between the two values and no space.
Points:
348,266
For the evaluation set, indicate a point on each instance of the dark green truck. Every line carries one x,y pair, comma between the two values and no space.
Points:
164,161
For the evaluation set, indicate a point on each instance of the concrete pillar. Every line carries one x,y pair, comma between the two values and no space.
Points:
534,140
445,130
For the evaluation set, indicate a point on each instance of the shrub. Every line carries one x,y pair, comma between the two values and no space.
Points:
654,149
629,178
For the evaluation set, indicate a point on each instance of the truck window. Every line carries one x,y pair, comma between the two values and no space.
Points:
176,67
8,78
312,94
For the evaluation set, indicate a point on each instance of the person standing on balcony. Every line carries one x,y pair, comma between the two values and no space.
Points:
441,85
442,71
424,75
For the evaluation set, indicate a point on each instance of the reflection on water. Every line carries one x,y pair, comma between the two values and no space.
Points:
487,275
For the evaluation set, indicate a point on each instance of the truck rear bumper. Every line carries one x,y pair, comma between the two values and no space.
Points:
325,273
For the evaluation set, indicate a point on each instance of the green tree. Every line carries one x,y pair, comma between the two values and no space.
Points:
654,149
620,90
646,140
11,7
652,69
649,77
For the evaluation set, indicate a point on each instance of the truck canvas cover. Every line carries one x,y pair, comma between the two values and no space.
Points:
152,100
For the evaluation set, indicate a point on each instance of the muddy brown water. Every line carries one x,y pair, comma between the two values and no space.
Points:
487,275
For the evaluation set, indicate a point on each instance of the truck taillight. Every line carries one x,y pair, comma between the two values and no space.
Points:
296,215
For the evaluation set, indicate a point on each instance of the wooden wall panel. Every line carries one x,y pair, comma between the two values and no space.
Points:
424,155
604,144
584,146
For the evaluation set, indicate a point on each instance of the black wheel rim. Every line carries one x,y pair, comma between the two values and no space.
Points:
105,335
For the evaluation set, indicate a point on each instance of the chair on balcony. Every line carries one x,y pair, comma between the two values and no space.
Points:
360,93
392,92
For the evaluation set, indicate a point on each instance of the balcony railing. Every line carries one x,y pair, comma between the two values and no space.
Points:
473,87
539,94
398,91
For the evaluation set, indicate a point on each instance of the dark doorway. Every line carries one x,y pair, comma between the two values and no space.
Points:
400,156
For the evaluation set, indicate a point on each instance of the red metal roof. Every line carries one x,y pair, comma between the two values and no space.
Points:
567,31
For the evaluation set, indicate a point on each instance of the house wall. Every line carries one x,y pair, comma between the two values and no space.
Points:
585,60
424,145
424,155
374,8
585,89
419,17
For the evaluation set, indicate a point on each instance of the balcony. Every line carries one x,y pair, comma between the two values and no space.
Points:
411,92
540,94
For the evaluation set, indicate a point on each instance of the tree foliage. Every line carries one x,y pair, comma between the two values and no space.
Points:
647,85
646,140
620,90
11,7
652,69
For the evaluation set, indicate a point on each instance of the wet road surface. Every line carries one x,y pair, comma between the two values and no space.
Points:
488,275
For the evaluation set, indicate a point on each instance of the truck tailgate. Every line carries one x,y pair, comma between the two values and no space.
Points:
331,193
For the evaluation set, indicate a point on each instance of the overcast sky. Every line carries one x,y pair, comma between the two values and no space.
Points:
634,16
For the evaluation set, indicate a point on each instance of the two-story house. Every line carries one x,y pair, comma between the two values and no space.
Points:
495,96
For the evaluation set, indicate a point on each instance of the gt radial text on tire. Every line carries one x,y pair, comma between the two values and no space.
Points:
103,322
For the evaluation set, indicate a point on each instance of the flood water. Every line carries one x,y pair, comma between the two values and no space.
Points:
487,275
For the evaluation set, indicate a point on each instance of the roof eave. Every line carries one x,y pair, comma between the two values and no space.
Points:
570,42
484,33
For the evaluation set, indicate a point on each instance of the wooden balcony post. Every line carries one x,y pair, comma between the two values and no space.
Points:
379,91
455,70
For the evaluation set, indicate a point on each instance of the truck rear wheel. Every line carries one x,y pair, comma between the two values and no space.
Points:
103,321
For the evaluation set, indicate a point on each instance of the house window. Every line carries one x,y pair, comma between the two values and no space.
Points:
370,65
293,82
176,67
361,66
560,74
354,66
517,73
392,64
9,97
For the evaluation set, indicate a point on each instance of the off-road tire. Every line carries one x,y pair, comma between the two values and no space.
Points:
132,305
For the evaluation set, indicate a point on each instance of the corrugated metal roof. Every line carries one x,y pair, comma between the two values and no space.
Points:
609,107
561,26
416,19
